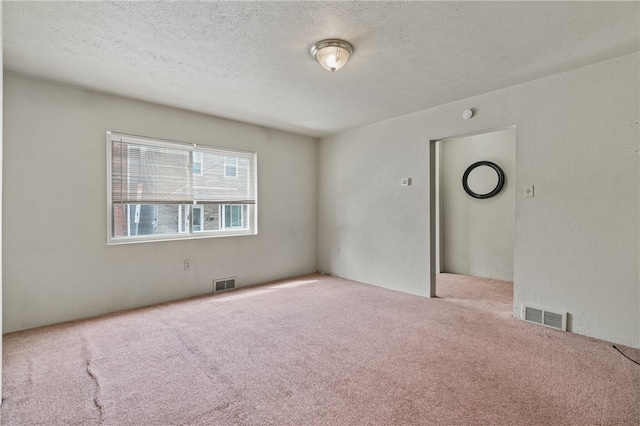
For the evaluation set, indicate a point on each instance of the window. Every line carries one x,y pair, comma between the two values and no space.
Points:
162,190
231,166
197,219
233,216
197,163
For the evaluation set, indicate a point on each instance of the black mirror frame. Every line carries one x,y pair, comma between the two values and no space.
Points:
495,190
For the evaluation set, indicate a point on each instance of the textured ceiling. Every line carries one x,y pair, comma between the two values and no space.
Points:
250,61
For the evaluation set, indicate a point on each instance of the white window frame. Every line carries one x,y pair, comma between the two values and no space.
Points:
222,216
185,227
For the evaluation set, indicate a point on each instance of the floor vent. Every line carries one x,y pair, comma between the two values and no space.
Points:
224,284
546,318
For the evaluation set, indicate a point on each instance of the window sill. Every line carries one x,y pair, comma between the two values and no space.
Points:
197,236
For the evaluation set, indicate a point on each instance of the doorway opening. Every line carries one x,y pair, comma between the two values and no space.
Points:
472,215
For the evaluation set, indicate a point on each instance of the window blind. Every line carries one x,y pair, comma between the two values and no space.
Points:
146,171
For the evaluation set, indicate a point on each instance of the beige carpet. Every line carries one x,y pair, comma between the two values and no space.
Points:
319,350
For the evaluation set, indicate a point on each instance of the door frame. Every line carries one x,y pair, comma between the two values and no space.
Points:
435,243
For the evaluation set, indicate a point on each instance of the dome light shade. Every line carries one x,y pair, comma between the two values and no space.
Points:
332,54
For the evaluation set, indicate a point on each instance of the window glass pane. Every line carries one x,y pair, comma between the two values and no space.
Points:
227,216
210,220
231,167
197,219
214,186
130,220
197,163
120,220
234,216
149,174
164,188
183,218
197,168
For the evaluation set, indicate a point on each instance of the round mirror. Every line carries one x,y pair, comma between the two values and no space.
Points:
483,179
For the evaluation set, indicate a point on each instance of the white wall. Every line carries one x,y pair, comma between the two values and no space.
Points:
478,234
576,241
58,266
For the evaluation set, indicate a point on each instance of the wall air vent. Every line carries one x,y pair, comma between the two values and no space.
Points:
546,318
224,284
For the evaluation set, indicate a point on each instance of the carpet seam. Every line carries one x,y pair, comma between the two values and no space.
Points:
96,399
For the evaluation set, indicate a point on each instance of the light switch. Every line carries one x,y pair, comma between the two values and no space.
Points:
528,191
405,181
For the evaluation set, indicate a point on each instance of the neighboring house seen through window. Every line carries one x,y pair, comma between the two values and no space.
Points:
197,219
233,216
231,166
161,190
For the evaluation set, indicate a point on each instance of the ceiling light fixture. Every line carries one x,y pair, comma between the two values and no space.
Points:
332,54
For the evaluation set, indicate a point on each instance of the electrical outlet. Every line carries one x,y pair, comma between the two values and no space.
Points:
187,265
528,191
